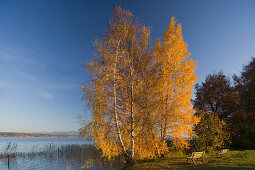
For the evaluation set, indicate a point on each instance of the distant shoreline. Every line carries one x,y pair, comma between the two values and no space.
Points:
15,134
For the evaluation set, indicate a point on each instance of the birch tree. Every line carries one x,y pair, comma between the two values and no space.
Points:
116,87
137,97
177,76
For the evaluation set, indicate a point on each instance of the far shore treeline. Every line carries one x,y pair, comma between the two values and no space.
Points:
140,93
15,134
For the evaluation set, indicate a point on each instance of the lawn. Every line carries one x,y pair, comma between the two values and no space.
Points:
235,160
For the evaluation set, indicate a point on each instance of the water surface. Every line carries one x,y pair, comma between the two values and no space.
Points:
52,153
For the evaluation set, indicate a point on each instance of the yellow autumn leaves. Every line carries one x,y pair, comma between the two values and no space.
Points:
139,97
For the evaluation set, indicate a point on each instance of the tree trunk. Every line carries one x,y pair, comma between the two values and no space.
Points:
132,119
115,111
155,144
165,121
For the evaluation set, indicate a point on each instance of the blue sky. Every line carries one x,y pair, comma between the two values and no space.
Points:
42,44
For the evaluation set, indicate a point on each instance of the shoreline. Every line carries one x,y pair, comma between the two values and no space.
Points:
14,134
40,137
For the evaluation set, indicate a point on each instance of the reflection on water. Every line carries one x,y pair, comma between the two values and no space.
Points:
55,155
38,144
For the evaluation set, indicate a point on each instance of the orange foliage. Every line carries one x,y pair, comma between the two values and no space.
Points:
176,72
138,98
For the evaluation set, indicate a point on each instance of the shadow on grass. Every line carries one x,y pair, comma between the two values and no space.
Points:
235,160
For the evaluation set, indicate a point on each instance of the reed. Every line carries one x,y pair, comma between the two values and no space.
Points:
84,156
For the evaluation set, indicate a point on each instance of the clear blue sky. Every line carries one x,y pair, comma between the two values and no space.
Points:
42,43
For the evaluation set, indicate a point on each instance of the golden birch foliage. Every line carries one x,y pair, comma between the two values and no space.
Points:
138,98
121,80
177,76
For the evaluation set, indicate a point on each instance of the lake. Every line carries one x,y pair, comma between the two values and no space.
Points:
52,153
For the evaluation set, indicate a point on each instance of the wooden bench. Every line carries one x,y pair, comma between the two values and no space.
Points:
196,155
223,152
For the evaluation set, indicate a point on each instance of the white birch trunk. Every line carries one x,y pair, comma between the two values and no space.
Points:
115,110
132,121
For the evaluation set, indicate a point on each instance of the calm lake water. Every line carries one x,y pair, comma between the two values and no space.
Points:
51,154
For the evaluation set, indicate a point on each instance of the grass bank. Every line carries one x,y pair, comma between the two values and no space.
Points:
235,160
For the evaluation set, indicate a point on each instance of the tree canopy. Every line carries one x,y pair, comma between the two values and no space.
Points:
233,104
216,95
211,132
138,97
245,120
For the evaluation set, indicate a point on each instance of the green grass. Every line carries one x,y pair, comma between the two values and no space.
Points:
235,160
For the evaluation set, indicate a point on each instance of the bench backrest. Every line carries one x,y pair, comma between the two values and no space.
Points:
197,154
223,151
